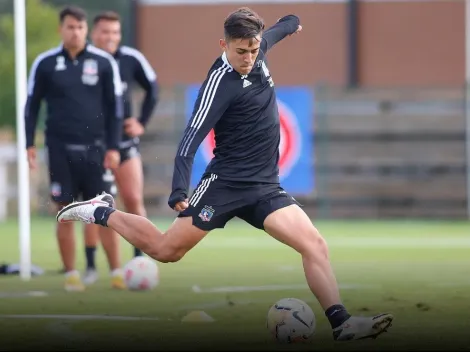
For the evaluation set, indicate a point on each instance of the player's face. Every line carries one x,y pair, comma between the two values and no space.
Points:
106,35
73,32
242,53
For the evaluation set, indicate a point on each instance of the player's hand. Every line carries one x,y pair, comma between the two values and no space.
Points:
133,127
299,29
112,159
31,153
180,206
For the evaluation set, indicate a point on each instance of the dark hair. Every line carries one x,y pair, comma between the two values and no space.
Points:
74,11
106,16
243,23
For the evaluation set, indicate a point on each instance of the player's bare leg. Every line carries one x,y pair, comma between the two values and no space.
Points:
66,241
169,246
110,241
130,182
291,226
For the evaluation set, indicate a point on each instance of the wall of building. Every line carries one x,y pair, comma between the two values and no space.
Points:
412,43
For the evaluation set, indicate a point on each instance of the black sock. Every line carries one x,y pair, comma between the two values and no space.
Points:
337,315
102,214
90,257
137,252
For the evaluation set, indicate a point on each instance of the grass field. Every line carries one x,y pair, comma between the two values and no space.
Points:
419,271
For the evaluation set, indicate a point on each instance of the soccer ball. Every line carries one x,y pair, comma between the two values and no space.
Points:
291,320
141,274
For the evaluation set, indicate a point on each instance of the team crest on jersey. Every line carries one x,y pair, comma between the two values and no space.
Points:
206,213
60,63
90,72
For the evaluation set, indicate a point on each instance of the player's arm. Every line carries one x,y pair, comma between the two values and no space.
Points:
147,79
36,91
286,25
114,108
212,101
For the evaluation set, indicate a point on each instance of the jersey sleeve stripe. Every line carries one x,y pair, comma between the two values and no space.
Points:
148,70
204,107
35,65
118,91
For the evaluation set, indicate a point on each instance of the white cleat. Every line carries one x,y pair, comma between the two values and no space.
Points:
84,211
357,328
90,277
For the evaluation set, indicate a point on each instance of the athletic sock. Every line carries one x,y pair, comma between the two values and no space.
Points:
102,214
337,315
90,257
137,252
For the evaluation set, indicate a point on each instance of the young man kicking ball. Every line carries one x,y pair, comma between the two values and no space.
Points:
238,100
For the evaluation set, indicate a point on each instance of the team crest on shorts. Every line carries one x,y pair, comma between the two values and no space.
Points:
56,189
206,213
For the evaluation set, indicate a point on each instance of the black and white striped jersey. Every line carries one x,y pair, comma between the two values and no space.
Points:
83,96
134,68
242,110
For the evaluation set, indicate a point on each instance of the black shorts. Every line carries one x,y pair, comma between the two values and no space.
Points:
214,202
129,149
76,171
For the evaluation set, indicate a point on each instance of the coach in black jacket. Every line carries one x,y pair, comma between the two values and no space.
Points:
83,91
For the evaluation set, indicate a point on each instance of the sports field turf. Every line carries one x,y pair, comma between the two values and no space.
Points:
419,271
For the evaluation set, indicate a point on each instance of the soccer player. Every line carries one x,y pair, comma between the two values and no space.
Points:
82,88
134,69
238,100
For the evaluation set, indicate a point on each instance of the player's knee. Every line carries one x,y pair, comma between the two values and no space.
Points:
167,255
134,203
315,245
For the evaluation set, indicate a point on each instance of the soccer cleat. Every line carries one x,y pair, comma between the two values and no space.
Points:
83,211
73,283
118,283
90,277
357,328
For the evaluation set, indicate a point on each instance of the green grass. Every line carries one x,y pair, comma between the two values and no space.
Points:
419,271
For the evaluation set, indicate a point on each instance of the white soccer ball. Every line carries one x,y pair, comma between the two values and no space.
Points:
141,274
291,320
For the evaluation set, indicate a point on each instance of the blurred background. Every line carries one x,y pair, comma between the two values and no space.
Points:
371,96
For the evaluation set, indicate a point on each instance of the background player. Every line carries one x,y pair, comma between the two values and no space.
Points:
134,68
238,100
83,91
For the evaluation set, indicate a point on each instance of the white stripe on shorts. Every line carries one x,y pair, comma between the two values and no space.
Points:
201,189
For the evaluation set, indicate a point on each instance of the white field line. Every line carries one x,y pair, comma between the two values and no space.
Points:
233,289
25,294
75,317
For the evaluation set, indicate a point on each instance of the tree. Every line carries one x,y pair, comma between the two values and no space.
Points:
41,33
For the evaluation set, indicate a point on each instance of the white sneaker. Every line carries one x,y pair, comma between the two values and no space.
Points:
356,328
90,277
84,211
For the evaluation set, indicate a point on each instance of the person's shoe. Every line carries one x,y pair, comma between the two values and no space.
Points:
117,281
73,283
357,328
90,277
84,211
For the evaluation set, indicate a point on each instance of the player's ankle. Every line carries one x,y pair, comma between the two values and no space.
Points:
102,214
116,272
73,272
337,315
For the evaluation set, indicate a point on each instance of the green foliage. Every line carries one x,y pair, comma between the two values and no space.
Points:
42,34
